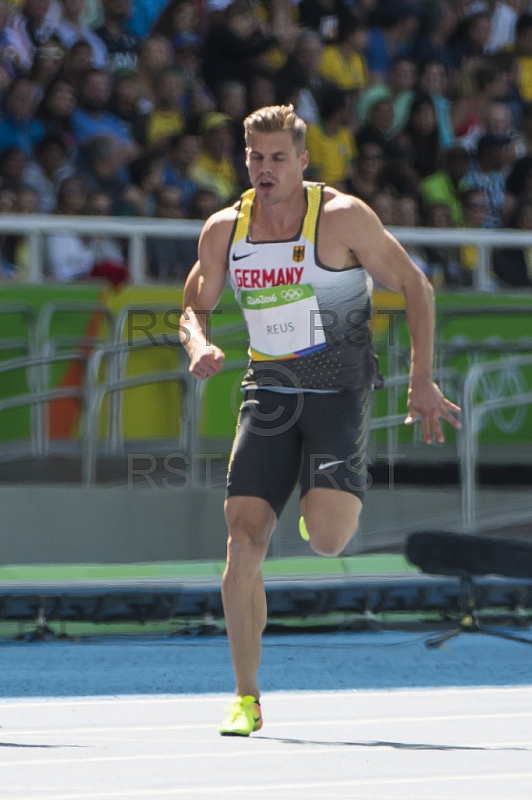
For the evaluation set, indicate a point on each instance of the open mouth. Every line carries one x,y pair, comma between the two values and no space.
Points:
266,184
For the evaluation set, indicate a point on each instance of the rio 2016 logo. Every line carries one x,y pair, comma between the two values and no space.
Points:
292,294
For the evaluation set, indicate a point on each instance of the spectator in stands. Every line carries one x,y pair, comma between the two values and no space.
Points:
8,200
407,215
109,260
166,118
18,126
69,257
29,27
420,138
470,38
326,17
147,176
299,80
261,92
433,79
90,118
144,15
233,46
519,181
122,45
25,203
487,175
343,63
203,204
502,25
125,103
178,21
213,168
475,210
508,66
182,152
401,80
231,100
398,23
526,128
7,69
444,267
99,204
523,51
76,63
72,29
384,204
55,112
512,266
431,43
479,83
47,64
378,120
170,259
367,175
7,206
13,162
155,55
47,170
188,55
331,144
443,186
398,172
498,119
104,160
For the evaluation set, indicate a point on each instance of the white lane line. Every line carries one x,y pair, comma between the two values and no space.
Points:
276,747
355,783
104,729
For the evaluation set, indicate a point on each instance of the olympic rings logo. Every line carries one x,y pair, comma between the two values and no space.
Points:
292,294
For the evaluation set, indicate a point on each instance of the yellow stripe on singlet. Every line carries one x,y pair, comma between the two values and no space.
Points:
244,216
314,194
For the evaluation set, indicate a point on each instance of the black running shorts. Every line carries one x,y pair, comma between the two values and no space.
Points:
317,440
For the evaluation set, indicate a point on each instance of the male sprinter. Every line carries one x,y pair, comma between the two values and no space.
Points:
296,255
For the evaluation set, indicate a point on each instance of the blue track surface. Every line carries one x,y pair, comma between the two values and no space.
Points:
165,665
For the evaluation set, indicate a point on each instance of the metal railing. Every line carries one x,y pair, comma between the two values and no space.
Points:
92,352
38,396
136,231
473,414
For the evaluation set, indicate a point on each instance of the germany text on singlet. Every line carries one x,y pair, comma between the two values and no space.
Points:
308,324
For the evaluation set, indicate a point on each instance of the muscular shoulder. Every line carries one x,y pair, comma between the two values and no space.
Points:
340,210
217,230
221,222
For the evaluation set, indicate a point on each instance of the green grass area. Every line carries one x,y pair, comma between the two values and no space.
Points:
216,627
279,567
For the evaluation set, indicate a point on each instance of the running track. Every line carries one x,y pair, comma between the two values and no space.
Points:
353,715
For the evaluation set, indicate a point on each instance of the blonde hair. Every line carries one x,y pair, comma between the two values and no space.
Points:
273,119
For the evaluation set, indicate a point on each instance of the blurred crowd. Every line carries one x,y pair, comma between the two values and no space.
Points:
422,108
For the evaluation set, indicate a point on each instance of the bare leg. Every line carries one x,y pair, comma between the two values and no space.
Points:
331,517
251,522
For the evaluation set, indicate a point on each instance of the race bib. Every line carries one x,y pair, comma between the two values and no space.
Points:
283,321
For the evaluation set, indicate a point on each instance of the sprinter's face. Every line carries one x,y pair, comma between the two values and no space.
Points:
274,165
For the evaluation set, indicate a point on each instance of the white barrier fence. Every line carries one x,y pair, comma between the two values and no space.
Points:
137,230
